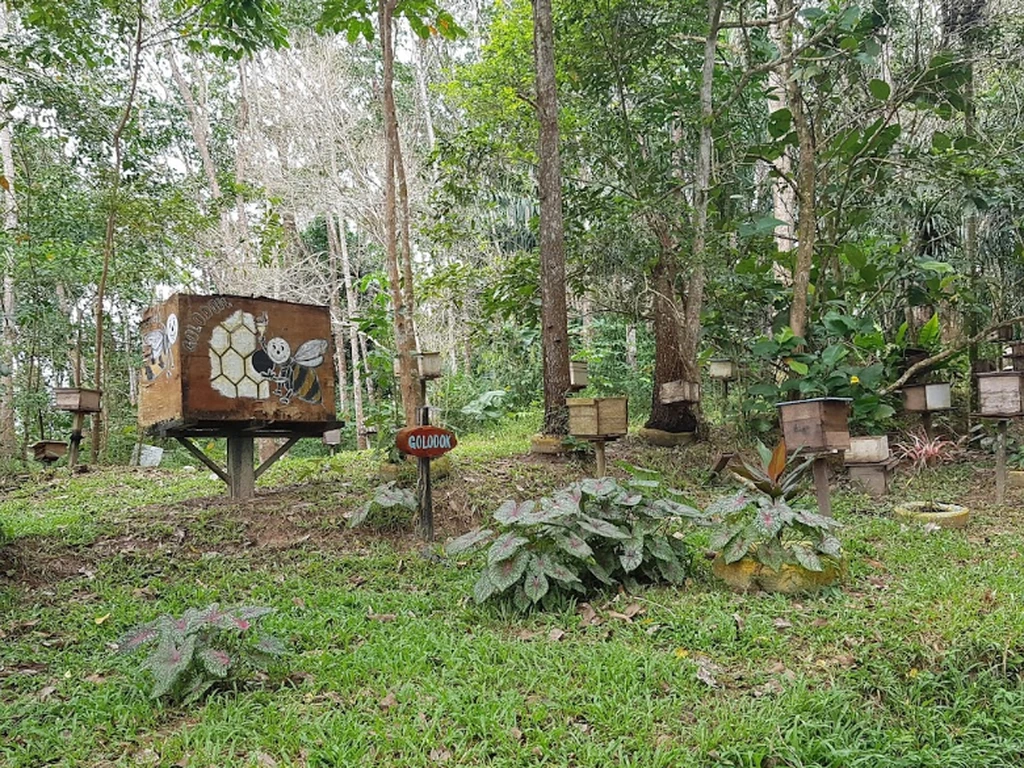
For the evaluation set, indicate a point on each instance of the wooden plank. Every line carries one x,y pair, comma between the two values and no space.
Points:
241,473
276,455
206,460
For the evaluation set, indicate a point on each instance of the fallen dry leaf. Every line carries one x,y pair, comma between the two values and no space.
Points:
588,616
517,735
382,617
46,693
95,678
101,619
298,602
527,635
265,761
556,634
388,701
781,623
440,755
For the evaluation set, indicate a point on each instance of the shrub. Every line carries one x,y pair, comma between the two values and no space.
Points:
391,508
202,648
759,521
592,534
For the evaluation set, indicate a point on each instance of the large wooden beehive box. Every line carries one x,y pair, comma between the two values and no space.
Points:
217,363
1001,393
816,425
598,416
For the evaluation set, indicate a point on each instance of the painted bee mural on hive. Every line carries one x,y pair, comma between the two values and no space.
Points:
295,375
157,352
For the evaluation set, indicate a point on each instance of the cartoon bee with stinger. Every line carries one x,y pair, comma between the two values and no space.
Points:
295,376
158,355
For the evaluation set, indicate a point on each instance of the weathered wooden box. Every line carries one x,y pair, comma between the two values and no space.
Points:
48,450
875,479
217,363
723,369
680,391
428,365
816,425
1001,393
578,374
924,398
870,449
77,400
598,416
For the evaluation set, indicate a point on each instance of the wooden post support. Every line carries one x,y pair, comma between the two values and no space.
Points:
424,491
76,438
599,454
821,485
241,473
1001,462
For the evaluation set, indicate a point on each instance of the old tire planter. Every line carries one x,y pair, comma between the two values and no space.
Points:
748,575
663,439
944,515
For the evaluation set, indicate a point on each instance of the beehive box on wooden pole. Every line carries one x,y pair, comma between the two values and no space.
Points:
816,425
598,416
1001,393
214,363
925,398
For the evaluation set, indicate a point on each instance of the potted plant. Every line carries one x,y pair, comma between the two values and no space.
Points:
764,542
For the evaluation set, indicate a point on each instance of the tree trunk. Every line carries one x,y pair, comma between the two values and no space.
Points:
668,365
108,238
8,329
405,339
807,223
421,90
783,197
337,320
554,320
353,337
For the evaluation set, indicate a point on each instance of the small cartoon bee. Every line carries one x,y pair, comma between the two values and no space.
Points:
157,353
294,376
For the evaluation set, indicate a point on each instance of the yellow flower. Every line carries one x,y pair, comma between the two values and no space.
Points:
855,379
682,653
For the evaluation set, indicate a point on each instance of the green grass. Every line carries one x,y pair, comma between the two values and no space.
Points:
916,661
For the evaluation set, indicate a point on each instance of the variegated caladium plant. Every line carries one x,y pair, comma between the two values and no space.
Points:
759,521
205,646
391,508
593,534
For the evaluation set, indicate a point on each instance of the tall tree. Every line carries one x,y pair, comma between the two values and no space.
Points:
554,318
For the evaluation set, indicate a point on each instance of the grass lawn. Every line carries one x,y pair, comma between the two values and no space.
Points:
916,661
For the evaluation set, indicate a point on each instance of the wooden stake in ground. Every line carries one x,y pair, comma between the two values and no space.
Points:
820,469
1001,462
599,454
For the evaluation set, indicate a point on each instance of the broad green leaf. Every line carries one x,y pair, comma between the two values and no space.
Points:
632,554
600,573
504,547
738,547
880,89
358,517
600,488
659,548
807,558
768,519
601,528
215,662
673,572
555,569
504,573
468,542
722,535
797,367
830,545
772,554
483,588
928,336
728,505
535,584
574,545
511,513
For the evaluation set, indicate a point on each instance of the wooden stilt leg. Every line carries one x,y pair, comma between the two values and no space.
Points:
821,486
241,473
602,469
76,438
1001,463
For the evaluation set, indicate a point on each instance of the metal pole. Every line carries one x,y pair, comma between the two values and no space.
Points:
1001,463
423,487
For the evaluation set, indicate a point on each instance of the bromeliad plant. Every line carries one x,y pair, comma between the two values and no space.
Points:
592,534
759,521
202,648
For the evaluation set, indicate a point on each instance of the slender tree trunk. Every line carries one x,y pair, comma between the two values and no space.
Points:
8,328
783,197
668,365
241,129
631,350
554,320
353,337
806,178
405,339
421,90
108,239
337,319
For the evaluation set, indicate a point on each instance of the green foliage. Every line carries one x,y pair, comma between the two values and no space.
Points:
487,407
590,535
391,508
201,649
760,522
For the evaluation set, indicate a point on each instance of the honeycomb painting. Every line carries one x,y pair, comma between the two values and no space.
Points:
244,362
232,344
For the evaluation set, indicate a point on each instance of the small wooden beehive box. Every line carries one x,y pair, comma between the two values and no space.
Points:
428,365
925,398
215,361
598,416
1001,393
870,449
578,374
874,479
723,369
816,425
77,400
680,391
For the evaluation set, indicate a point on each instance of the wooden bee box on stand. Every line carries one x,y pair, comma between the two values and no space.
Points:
594,417
1001,393
925,398
217,364
816,425
77,400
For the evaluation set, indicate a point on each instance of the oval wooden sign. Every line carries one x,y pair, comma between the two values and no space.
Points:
425,442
